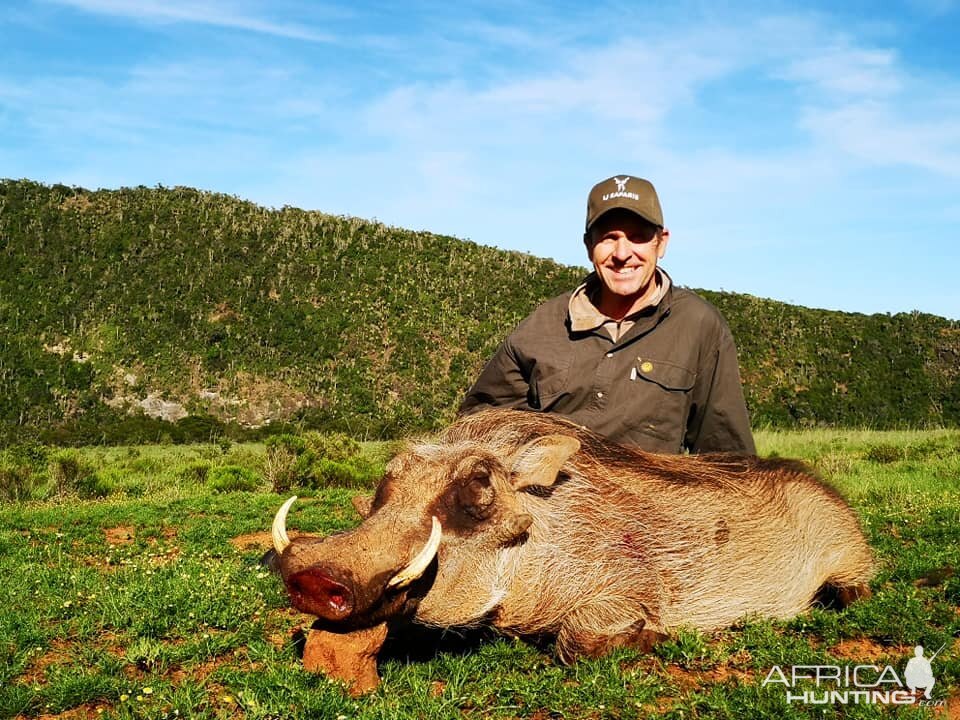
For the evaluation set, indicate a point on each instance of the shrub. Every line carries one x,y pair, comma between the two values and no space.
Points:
65,469
94,485
198,428
70,475
196,472
281,468
288,462
316,460
30,453
353,473
17,482
335,446
233,478
884,453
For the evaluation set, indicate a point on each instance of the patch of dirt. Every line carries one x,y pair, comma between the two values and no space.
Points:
162,555
120,535
59,653
87,711
695,679
257,540
864,649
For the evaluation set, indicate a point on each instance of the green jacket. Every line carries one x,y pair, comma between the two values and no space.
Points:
670,383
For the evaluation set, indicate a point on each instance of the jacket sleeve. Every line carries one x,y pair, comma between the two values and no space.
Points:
502,383
720,422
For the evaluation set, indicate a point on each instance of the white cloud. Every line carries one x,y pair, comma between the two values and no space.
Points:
876,134
209,12
848,71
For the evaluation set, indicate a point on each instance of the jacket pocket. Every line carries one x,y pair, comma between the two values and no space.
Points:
548,382
667,375
660,393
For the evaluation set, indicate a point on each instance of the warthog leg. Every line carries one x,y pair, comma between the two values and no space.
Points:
837,597
574,642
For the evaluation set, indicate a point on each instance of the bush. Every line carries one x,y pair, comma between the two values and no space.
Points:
354,473
233,478
17,482
316,460
198,428
31,454
94,485
288,462
196,472
329,473
335,446
885,454
281,468
71,476
65,470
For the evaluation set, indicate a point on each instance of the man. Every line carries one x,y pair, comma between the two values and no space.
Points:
626,354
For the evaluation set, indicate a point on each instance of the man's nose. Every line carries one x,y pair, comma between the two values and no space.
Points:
622,250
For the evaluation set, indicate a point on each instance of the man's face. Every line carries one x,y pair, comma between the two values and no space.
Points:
624,249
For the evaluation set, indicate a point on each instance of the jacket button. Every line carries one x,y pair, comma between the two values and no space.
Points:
647,366
609,355
599,394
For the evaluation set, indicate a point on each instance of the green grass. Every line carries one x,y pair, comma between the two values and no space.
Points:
144,603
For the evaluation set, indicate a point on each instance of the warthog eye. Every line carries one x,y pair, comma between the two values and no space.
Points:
475,494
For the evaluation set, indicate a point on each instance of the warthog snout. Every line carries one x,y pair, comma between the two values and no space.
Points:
315,592
324,578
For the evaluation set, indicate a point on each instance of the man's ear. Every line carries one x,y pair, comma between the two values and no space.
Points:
662,244
362,504
539,461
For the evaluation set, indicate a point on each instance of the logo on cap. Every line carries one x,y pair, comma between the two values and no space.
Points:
621,191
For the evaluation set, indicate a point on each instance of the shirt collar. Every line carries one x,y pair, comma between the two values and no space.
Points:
584,315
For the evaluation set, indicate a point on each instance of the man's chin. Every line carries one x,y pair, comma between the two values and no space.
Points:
625,287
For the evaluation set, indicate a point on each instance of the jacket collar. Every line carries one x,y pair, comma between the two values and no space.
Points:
583,315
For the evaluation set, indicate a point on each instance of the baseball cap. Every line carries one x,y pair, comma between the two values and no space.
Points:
628,192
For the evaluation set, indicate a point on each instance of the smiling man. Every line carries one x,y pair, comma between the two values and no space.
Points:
627,354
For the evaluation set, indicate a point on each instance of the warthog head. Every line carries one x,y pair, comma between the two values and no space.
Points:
430,533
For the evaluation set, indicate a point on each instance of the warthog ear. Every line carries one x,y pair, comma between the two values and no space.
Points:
539,461
362,504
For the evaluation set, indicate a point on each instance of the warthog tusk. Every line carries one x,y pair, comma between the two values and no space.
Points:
280,540
419,564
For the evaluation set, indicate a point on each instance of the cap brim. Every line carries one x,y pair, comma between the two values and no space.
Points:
591,222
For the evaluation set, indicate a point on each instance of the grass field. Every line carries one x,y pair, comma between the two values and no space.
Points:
150,602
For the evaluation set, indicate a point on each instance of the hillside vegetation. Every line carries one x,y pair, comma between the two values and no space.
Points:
158,313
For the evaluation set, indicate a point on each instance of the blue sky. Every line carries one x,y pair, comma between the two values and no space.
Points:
808,153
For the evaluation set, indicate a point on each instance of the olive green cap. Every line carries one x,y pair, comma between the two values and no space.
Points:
627,192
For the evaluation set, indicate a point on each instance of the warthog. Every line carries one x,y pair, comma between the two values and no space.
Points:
537,526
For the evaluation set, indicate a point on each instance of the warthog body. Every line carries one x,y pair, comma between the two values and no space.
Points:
550,529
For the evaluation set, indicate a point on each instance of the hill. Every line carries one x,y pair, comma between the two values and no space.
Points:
146,313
